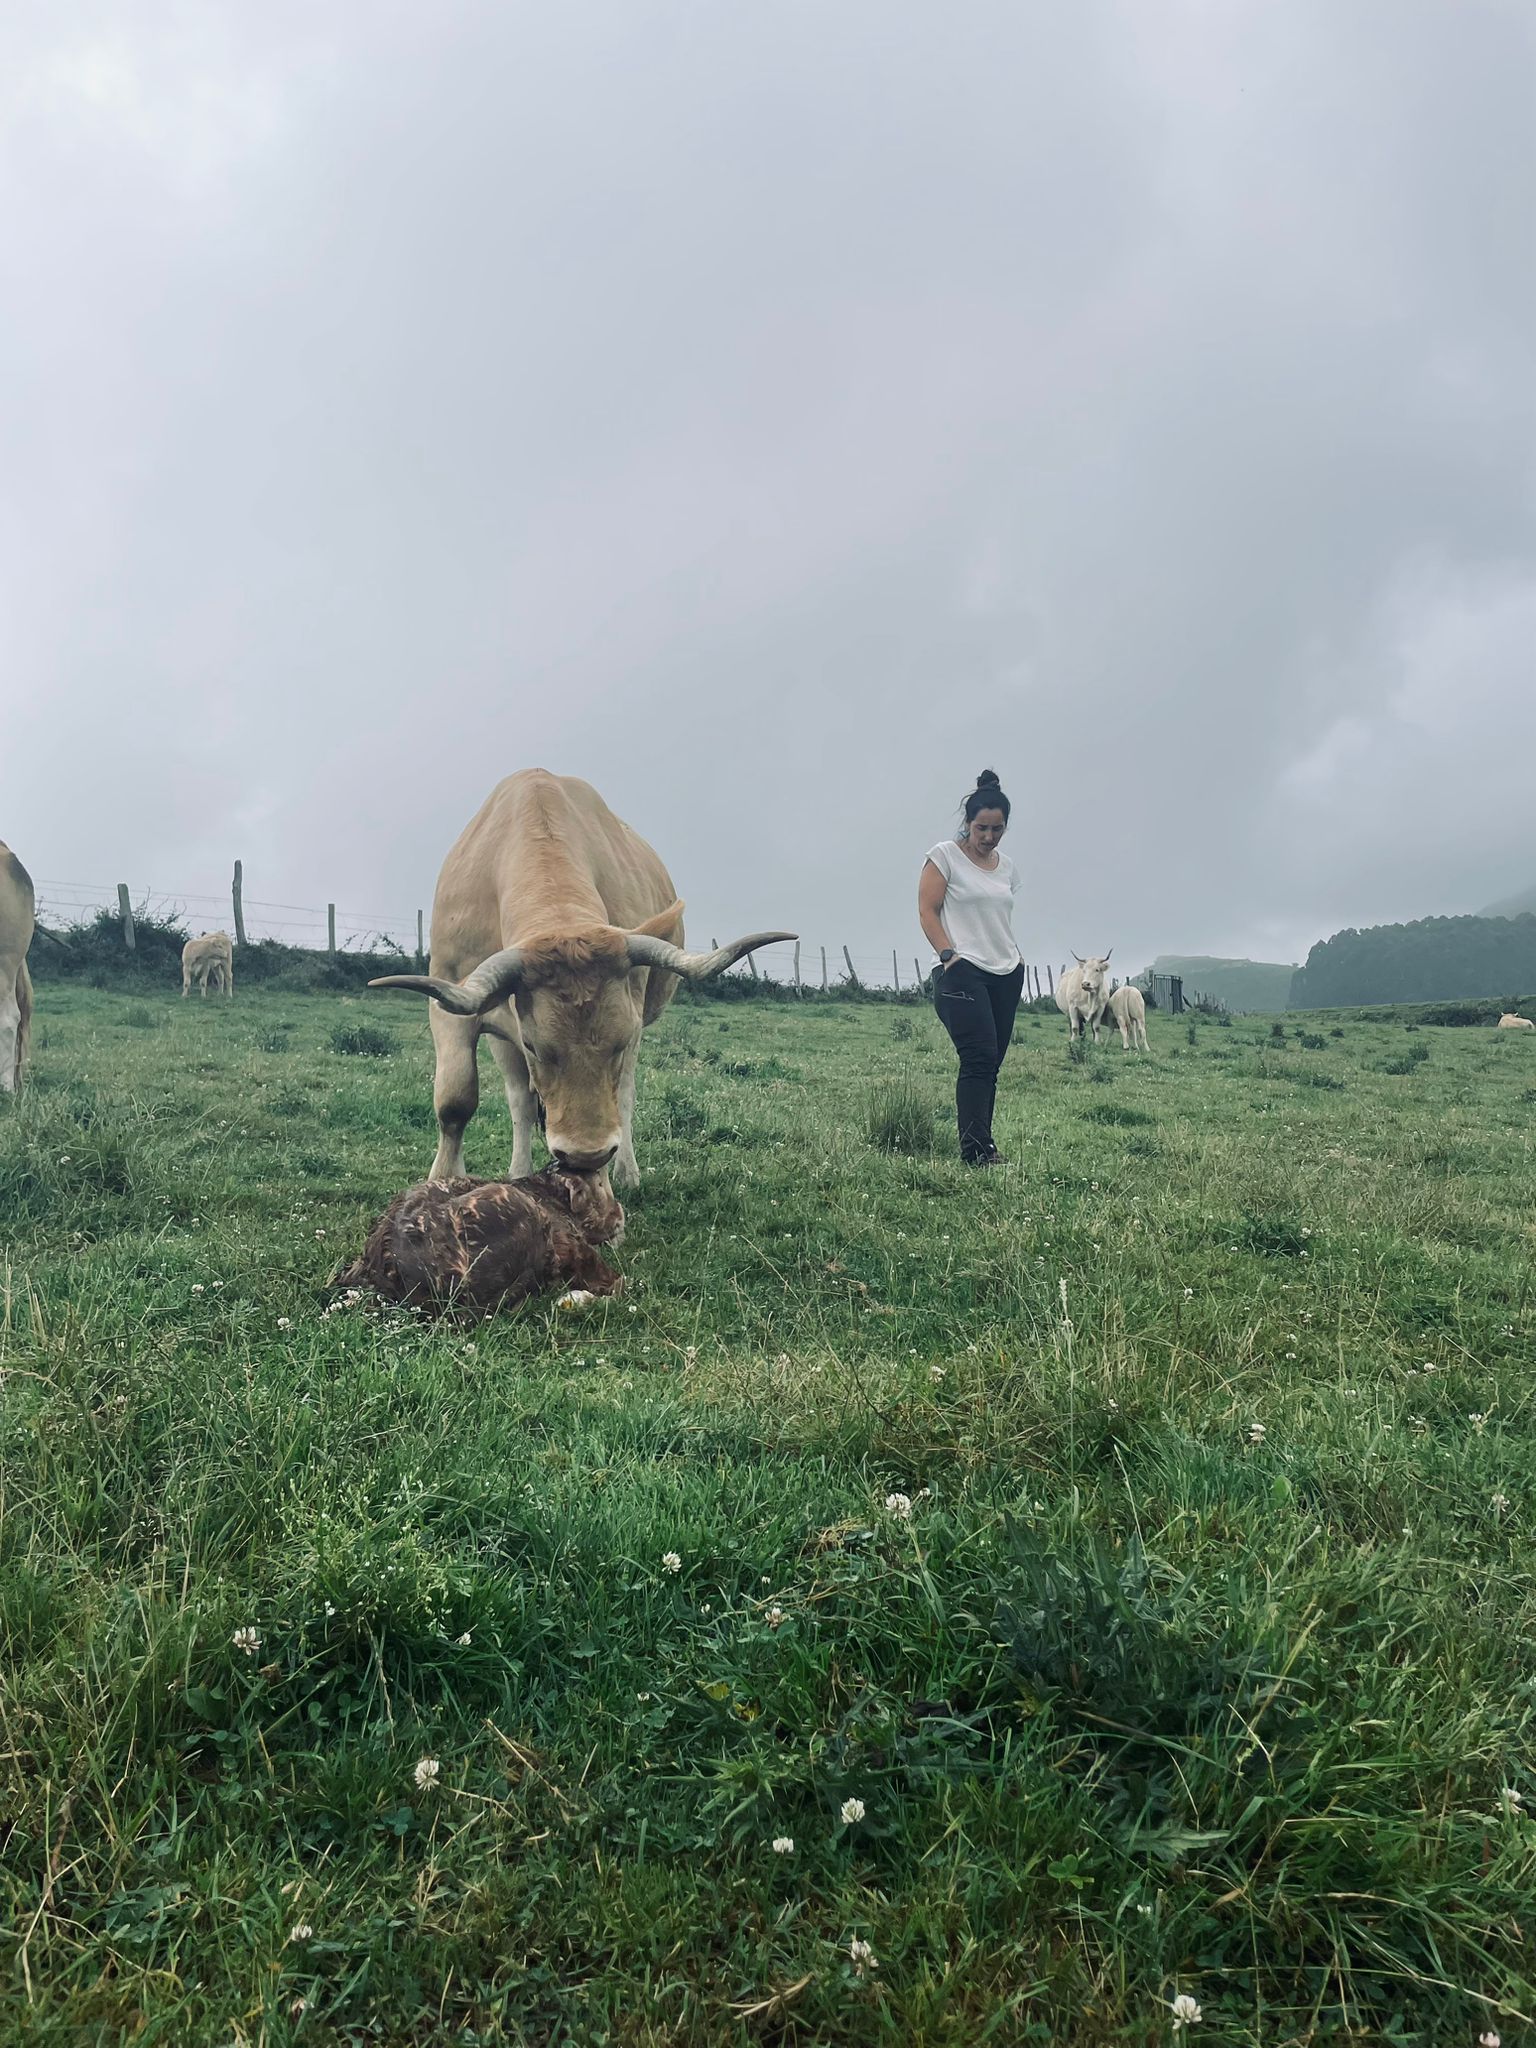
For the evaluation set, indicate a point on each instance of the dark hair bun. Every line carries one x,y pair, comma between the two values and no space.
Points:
989,779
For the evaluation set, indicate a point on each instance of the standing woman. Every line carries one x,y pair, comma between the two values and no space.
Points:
965,906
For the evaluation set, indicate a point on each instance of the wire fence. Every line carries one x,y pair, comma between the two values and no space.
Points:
323,927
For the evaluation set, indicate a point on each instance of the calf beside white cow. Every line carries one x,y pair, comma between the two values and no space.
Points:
1129,1011
1082,994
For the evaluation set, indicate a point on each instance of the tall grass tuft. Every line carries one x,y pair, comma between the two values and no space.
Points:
899,1117
364,1041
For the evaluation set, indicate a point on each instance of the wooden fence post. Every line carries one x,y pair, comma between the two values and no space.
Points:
330,928
823,970
797,967
852,972
239,906
421,951
125,911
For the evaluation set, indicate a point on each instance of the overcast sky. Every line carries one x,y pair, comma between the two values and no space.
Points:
775,413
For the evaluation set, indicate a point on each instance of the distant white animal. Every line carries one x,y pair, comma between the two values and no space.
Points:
1510,1022
17,907
1127,1009
1082,994
208,959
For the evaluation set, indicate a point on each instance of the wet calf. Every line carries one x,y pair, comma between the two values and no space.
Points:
489,1243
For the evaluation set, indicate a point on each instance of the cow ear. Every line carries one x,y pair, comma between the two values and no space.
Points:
666,924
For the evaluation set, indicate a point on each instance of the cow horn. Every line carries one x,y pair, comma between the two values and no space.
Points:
645,951
492,982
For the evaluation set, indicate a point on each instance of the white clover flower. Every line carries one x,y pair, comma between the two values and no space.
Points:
1186,2013
862,1956
427,1772
1189,1294
935,1372
783,1845
1511,1798
775,1617
1498,1502
1256,1432
899,1505
319,1233
851,1812
197,1286
463,1642
301,1931
1478,1421
671,1562
246,1641
1488,2039
285,1322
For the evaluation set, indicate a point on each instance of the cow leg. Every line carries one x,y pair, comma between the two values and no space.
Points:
455,1088
186,983
229,977
521,1101
10,1028
626,1168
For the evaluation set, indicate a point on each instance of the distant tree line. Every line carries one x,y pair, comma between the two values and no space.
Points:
1435,959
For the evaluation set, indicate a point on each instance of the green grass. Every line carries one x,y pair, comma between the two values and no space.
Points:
1198,1667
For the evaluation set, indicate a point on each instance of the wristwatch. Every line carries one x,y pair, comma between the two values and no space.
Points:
946,954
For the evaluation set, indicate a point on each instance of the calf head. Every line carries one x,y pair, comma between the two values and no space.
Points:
579,1004
594,1208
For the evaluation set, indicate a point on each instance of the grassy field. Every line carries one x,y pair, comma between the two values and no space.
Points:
371,1681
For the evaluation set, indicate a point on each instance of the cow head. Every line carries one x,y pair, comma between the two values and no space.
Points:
1094,979
579,1001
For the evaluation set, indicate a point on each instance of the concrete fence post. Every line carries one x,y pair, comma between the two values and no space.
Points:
330,929
125,911
239,905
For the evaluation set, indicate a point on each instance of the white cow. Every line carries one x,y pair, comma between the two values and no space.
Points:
17,907
210,958
1127,1009
1510,1022
1082,994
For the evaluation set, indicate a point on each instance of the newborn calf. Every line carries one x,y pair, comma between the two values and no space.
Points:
489,1243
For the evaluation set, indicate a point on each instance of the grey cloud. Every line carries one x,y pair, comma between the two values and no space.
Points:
777,414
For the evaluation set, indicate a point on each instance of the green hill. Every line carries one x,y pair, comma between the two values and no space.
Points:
1252,985
1512,906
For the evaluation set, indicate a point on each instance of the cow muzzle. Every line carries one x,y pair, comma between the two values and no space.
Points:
570,1160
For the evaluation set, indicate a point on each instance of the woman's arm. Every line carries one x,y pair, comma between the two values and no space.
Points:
931,891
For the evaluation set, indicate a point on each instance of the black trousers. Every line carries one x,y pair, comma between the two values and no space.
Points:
977,1009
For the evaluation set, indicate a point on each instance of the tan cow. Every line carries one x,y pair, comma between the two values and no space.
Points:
1129,1011
210,958
18,904
555,931
1510,1022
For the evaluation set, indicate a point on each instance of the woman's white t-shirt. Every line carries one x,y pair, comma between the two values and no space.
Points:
978,907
